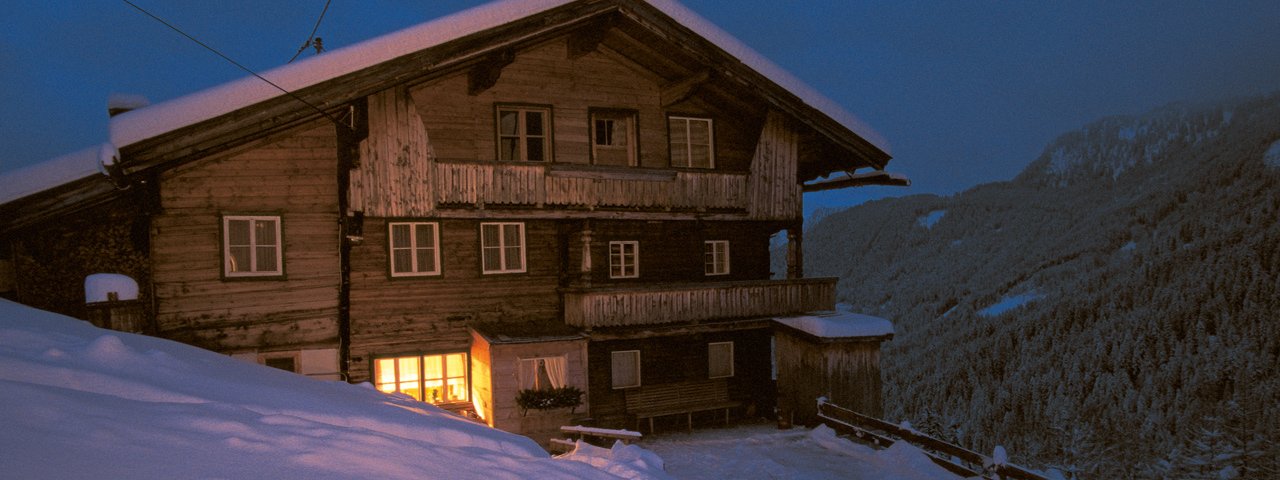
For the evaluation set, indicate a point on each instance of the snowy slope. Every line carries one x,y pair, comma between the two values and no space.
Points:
82,402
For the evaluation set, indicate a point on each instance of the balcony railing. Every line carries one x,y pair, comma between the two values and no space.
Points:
694,302
471,183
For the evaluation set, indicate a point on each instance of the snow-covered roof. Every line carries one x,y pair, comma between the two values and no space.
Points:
839,325
137,125
50,173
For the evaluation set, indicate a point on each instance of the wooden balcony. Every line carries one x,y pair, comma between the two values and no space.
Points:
695,302
583,186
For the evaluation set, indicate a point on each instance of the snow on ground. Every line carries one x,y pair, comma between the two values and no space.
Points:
764,451
1272,156
1009,302
930,219
83,402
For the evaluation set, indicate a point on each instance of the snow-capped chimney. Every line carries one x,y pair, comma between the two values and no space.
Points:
118,103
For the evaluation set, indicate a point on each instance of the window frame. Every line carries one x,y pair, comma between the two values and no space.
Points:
520,370
502,249
613,382
732,370
712,255
421,374
635,259
632,134
413,249
228,258
522,135
688,145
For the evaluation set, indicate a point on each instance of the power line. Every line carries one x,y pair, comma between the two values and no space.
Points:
312,36
233,62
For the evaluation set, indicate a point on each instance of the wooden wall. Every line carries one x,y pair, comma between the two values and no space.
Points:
504,366
294,177
846,372
673,251
394,178
426,314
773,190
679,358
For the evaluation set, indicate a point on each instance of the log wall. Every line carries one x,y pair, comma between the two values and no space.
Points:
429,314
773,190
846,372
294,177
660,304
673,251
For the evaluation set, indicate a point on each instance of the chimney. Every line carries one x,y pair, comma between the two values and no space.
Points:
118,103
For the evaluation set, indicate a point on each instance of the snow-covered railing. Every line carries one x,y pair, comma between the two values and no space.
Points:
957,459
691,302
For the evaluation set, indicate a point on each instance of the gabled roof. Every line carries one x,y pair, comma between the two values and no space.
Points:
141,129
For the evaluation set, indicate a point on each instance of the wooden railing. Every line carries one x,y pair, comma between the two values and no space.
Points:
693,302
491,183
957,459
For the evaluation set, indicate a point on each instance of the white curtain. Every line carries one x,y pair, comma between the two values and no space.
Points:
528,373
555,370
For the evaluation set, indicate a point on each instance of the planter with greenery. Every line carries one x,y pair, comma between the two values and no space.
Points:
567,396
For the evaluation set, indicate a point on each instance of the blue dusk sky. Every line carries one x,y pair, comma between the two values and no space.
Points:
965,92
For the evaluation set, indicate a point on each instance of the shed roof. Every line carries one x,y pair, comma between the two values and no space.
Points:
840,325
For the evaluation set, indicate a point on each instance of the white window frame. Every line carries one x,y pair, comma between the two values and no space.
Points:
731,359
613,377
228,260
501,248
618,258
522,135
675,122
715,255
629,134
414,249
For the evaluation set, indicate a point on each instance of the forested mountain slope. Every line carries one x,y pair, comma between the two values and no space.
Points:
1115,309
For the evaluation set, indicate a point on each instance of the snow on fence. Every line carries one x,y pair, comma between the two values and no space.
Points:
957,459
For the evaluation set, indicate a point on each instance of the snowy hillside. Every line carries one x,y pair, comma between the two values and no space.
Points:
1110,311
81,402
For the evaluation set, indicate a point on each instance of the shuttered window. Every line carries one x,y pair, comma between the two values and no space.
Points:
719,359
626,368
613,138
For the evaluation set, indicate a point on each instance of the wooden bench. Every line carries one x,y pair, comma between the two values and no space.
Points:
682,398
579,432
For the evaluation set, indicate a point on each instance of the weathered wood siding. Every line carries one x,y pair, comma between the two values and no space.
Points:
294,177
673,251
430,314
652,305
504,371
773,190
846,372
679,358
395,176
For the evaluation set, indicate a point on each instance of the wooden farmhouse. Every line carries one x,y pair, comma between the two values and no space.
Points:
525,196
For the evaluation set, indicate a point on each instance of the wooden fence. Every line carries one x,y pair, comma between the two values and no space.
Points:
691,302
958,460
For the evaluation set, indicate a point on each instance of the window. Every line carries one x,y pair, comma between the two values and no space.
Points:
524,134
542,373
719,359
717,257
427,378
692,142
624,259
502,247
613,138
287,361
251,246
626,369
414,248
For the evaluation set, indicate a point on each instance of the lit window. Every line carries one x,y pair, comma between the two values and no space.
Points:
624,259
542,373
626,369
720,360
613,138
427,378
414,249
502,247
251,246
716,257
692,142
524,134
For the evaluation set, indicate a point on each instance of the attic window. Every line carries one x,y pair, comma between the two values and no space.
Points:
524,133
692,142
613,138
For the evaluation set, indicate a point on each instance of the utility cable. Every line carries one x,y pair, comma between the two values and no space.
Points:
312,36
233,62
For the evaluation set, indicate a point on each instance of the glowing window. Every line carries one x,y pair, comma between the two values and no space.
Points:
428,378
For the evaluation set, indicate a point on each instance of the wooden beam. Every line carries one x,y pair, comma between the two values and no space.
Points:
681,90
484,75
586,39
